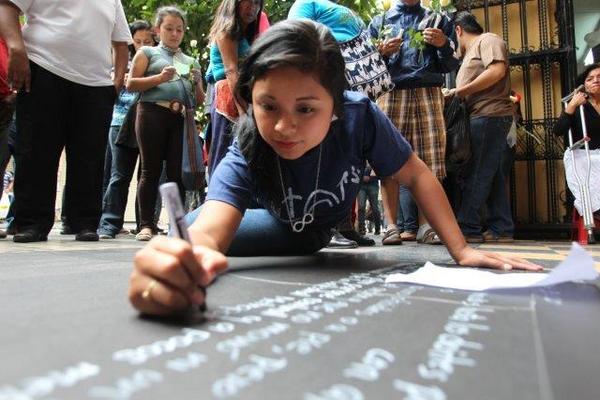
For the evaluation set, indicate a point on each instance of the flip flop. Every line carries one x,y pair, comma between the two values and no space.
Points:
391,237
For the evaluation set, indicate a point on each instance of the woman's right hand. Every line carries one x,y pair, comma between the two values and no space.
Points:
167,73
390,46
578,99
169,275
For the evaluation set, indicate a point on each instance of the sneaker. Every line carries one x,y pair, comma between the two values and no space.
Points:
359,239
106,236
489,236
338,241
29,236
87,235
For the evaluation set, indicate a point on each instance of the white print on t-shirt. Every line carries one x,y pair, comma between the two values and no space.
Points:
324,197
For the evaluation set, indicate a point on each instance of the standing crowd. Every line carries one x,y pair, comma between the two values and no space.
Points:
117,92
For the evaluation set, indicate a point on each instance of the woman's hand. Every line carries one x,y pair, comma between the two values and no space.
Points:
169,275
470,257
390,46
578,99
196,75
167,73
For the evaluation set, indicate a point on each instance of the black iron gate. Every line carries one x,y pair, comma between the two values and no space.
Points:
542,205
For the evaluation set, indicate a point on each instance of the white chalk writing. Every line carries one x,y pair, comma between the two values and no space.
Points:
368,368
184,364
247,374
141,354
336,392
41,386
234,345
419,392
126,387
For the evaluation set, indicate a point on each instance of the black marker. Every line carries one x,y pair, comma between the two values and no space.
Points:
177,226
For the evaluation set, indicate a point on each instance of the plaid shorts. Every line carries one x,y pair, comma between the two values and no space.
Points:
419,116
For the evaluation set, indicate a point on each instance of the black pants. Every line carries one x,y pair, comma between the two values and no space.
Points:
58,114
159,133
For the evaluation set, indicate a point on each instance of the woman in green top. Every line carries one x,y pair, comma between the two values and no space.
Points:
161,75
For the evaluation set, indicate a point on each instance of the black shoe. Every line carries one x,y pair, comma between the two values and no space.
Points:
28,236
11,230
87,235
360,240
340,242
2,234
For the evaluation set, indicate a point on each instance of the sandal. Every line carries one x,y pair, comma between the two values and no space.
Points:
408,236
391,237
428,235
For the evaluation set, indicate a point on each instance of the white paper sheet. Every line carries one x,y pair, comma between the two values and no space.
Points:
578,265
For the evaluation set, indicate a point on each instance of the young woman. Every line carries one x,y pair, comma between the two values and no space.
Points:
120,160
160,122
589,97
234,28
301,149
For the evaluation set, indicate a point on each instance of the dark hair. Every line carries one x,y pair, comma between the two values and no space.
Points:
468,23
580,80
227,20
139,25
164,11
302,44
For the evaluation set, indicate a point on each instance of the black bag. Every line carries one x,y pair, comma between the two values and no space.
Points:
458,134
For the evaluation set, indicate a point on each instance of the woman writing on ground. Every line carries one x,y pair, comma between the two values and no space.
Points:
301,148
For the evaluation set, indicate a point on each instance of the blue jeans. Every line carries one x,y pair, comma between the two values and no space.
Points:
407,212
485,180
115,198
261,234
369,191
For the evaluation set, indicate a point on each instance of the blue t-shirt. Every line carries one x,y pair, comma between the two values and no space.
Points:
364,134
342,22
216,69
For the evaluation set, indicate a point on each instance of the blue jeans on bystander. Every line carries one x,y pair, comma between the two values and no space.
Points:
485,181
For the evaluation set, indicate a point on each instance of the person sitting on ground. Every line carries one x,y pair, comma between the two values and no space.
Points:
302,145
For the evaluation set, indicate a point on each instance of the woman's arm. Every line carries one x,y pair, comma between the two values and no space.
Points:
168,271
229,54
432,200
137,82
198,85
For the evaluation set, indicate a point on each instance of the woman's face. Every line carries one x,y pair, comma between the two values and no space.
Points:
171,31
592,82
141,38
292,111
248,11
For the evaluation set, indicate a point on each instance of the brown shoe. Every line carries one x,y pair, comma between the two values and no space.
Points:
144,235
491,237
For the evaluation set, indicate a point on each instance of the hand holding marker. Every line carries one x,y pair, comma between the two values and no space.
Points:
177,226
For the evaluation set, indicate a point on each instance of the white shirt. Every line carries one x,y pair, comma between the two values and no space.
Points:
72,38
